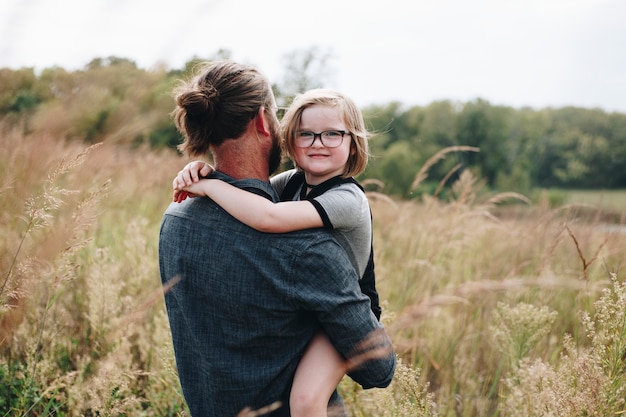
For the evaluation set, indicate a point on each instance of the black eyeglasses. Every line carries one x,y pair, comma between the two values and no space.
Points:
329,138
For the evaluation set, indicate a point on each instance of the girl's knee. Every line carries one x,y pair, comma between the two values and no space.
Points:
304,404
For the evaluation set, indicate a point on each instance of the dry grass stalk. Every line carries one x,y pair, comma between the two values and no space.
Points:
373,181
373,347
500,197
423,172
586,263
142,309
372,195
445,179
42,210
466,188
248,412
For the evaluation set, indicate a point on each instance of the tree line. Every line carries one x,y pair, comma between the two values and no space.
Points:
512,149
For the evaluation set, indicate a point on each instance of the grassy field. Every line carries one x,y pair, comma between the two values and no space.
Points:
491,315
608,199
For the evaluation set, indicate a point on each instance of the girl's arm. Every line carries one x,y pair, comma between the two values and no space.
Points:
256,211
190,173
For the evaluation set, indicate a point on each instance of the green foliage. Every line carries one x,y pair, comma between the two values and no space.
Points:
21,395
305,69
520,149
549,197
23,102
396,164
165,137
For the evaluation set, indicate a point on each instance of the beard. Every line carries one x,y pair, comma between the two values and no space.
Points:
275,156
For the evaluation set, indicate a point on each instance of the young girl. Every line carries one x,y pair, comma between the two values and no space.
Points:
324,134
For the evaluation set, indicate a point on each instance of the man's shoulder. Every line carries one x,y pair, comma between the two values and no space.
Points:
285,175
253,185
189,208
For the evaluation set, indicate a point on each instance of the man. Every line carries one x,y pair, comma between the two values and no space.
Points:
245,304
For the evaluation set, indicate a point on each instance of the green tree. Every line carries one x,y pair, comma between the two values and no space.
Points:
614,162
519,148
397,169
305,69
20,95
438,130
485,127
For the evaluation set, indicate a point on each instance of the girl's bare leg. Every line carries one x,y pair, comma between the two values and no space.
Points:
317,376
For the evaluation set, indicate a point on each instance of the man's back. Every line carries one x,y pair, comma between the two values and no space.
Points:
247,305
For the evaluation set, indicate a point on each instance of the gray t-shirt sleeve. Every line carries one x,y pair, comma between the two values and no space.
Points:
346,211
346,206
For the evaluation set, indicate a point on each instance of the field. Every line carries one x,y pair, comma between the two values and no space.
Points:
608,199
522,314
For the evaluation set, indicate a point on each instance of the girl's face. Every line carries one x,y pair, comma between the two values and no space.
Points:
319,162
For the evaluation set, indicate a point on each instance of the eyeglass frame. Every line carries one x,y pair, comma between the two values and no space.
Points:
320,134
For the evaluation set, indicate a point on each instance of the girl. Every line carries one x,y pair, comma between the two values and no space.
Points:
324,134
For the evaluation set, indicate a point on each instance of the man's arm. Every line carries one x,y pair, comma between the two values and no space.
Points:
329,286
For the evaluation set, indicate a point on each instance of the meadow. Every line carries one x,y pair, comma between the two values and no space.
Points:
498,305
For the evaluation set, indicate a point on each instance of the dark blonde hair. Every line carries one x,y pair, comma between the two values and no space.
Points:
350,114
218,103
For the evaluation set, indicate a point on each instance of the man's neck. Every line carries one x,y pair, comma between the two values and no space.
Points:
242,158
242,169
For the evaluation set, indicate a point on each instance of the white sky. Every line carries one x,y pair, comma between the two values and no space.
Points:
534,53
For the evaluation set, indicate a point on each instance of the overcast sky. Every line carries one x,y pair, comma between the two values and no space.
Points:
537,53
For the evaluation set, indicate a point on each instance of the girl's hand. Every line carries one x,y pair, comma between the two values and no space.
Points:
197,188
191,173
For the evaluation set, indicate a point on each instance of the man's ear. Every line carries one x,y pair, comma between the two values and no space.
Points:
261,122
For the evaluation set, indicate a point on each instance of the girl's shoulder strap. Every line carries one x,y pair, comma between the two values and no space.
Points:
297,181
292,186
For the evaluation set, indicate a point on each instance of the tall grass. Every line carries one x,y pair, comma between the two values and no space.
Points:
477,296
81,331
491,314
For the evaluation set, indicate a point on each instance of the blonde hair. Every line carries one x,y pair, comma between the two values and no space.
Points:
350,114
